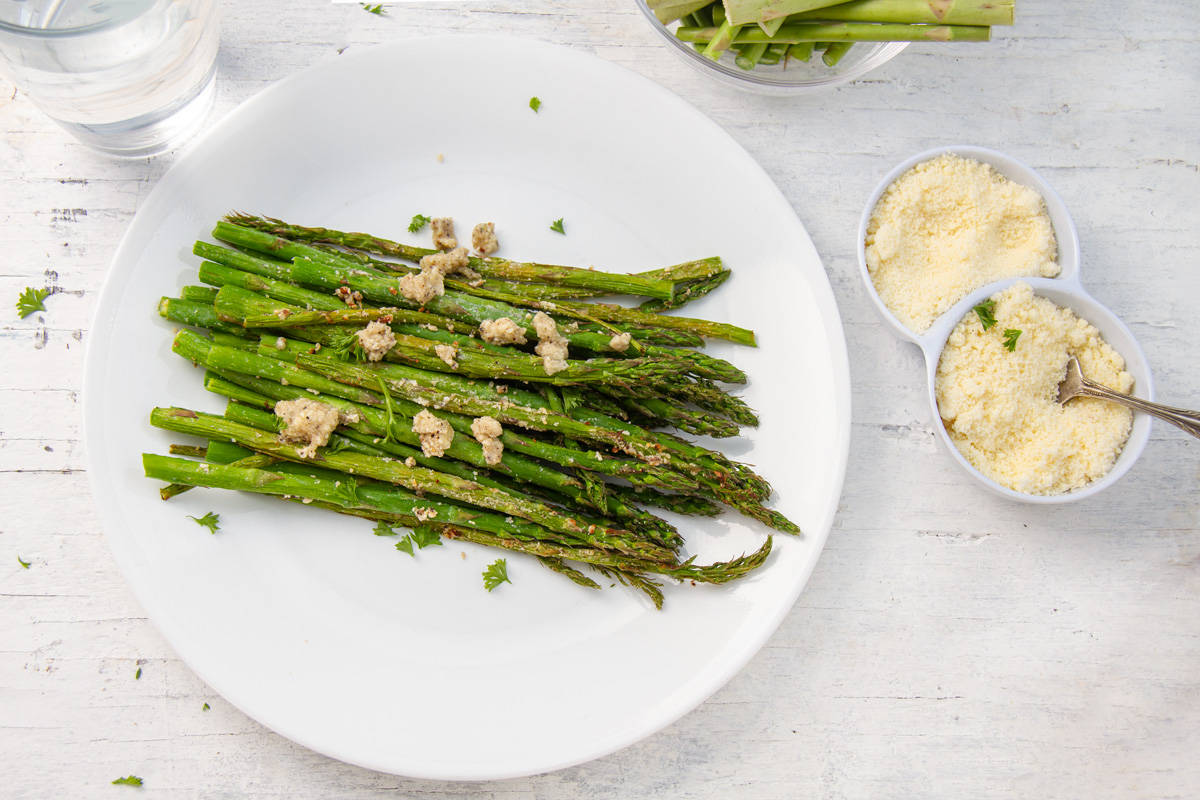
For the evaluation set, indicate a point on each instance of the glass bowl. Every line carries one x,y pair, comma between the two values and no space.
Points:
790,76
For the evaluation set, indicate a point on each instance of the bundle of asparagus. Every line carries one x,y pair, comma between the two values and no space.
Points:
766,32
432,414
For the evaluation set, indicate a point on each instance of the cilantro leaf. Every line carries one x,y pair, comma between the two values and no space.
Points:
535,103
425,536
405,545
24,564
132,780
557,226
210,520
383,529
418,221
30,301
495,574
205,707
374,8
986,311
137,676
1010,339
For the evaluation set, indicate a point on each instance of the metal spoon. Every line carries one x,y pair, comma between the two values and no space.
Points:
1075,385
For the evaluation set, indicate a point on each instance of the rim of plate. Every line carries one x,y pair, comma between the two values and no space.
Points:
672,709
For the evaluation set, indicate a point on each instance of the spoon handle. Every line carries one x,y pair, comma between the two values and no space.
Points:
1180,417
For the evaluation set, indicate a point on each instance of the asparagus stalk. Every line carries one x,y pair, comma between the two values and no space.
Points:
745,12
957,12
721,40
835,52
414,479
238,231
843,32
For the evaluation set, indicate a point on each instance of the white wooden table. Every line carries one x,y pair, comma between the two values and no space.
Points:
950,644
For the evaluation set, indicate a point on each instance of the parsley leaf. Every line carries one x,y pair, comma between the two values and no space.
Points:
132,780
205,707
986,311
210,520
405,545
383,529
24,564
495,574
557,226
418,221
1010,339
137,676
30,301
535,103
377,9
424,536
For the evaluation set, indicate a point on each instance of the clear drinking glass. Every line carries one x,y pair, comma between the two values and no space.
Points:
128,77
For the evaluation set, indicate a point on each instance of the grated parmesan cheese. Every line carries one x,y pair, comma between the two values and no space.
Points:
1001,408
948,226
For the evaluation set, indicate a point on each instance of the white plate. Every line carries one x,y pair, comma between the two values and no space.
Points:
325,633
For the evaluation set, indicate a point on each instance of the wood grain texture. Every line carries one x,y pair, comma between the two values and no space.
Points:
950,644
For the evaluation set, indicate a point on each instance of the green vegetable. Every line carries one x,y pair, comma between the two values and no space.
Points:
376,8
557,226
1010,339
205,707
209,520
30,300
137,676
383,529
986,311
418,222
24,564
132,780
495,574
405,545
535,103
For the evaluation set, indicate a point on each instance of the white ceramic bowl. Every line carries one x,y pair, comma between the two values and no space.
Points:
1065,290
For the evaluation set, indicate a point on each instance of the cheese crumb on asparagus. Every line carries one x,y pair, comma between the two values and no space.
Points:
376,340
435,434
551,346
307,422
447,353
501,330
620,342
487,431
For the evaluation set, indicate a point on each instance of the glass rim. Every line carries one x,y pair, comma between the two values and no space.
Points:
79,30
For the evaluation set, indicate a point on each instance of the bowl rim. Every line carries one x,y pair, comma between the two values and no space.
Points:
767,84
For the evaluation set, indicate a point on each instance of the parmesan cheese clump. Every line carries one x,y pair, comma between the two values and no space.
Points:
443,233
448,353
948,226
501,330
551,346
620,341
435,434
376,340
1001,408
487,431
483,238
307,422
423,286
